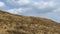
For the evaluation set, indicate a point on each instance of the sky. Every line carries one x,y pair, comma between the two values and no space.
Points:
42,8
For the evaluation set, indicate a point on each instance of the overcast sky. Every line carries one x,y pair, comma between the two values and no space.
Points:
42,8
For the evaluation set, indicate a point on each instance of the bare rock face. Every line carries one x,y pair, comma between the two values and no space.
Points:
18,24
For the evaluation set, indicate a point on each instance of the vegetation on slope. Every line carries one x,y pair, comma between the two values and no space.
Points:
18,24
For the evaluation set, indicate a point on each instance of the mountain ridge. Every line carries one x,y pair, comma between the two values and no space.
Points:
18,24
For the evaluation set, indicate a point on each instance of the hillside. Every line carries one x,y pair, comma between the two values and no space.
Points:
18,24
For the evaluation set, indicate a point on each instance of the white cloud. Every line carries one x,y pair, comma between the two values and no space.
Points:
35,6
2,4
23,2
39,6
55,15
18,2
45,8
17,10
44,5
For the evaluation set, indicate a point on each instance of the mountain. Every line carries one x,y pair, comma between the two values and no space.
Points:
18,24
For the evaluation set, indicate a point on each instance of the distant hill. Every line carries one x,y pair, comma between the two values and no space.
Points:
18,24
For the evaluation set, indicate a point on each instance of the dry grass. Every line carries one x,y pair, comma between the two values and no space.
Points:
18,24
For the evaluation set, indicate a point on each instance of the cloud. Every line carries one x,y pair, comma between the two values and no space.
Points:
34,6
45,8
2,4
17,10
18,2
55,15
40,6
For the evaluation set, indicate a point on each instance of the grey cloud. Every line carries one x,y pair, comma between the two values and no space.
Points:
44,8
